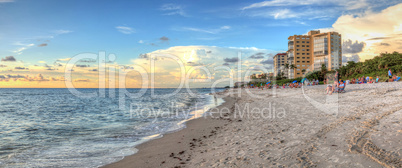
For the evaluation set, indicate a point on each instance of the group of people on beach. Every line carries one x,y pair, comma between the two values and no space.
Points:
336,86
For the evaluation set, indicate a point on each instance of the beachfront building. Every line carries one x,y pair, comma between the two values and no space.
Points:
280,60
261,77
327,50
308,52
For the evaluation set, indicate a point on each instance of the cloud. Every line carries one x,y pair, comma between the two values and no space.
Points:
173,9
2,66
209,31
372,28
64,59
125,29
226,64
354,58
82,66
82,80
231,60
259,55
164,39
8,59
20,68
140,41
42,45
95,70
348,47
61,31
311,9
143,56
385,44
88,60
268,61
25,46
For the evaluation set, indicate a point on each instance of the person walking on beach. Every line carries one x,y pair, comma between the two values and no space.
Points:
390,73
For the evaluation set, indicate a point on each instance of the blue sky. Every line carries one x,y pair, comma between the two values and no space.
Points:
42,31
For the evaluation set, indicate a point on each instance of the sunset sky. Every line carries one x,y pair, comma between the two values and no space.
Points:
38,39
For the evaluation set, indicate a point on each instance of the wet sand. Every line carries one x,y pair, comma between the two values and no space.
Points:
287,128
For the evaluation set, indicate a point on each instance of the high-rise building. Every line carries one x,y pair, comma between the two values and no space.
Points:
308,52
280,60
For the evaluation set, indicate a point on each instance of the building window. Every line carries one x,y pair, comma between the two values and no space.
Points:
303,53
308,49
298,69
308,42
297,49
308,53
298,57
308,45
308,57
303,61
308,61
303,41
303,49
303,57
298,61
297,41
303,46
297,53
297,46
298,73
297,65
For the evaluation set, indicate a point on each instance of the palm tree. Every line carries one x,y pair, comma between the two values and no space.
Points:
292,66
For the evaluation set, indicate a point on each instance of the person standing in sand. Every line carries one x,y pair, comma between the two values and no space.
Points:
389,73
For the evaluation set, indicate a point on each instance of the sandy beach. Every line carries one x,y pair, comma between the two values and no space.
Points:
287,128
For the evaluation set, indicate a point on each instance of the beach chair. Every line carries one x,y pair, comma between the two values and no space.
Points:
397,79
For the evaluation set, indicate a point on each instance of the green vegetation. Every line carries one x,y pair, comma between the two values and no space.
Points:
378,66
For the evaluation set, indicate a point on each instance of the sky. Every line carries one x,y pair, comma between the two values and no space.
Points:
212,42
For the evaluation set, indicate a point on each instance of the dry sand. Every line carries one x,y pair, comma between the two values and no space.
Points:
287,128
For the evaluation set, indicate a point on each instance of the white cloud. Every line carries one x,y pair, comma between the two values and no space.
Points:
61,31
125,29
311,9
19,50
380,31
210,31
63,59
173,9
140,41
281,3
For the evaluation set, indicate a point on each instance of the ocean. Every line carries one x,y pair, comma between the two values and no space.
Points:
55,128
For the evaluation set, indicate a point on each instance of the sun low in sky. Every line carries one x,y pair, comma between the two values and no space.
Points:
206,41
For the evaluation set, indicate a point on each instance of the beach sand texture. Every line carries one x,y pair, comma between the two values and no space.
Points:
359,128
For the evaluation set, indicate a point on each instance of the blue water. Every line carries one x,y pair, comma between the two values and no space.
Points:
54,128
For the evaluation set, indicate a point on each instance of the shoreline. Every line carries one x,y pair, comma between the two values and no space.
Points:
158,151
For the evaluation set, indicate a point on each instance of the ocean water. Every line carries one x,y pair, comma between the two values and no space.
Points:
55,128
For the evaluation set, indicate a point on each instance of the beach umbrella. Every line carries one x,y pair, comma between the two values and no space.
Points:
268,82
252,85
295,81
303,80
